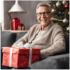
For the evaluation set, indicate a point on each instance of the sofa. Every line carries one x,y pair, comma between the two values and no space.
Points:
57,61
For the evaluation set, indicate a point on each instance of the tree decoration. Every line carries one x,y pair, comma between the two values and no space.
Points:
66,6
53,6
65,20
68,28
60,13
58,4
64,2
53,10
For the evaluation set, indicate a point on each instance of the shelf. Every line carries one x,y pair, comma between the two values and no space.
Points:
17,31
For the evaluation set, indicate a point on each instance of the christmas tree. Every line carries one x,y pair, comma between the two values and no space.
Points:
60,14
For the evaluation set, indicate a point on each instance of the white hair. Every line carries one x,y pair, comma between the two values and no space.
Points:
43,4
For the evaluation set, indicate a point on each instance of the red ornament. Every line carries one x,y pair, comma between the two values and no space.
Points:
66,6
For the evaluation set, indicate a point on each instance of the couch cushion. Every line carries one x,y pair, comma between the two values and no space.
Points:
19,35
7,38
52,62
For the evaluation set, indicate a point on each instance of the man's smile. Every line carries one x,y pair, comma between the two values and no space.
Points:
43,19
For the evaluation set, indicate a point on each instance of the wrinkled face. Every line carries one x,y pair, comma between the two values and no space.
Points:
43,15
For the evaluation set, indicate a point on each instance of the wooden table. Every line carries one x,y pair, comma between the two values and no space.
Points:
17,31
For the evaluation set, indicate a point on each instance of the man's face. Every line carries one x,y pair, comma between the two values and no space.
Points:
43,15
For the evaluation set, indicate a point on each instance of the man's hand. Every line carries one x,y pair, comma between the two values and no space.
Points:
16,46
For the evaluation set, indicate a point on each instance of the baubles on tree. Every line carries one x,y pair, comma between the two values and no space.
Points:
58,4
67,28
64,2
66,6
53,10
65,20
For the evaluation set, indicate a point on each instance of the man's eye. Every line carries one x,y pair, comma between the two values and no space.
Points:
45,12
40,13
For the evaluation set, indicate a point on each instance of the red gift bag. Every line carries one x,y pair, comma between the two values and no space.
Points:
20,57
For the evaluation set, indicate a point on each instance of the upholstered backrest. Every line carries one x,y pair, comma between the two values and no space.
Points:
7,38
19,35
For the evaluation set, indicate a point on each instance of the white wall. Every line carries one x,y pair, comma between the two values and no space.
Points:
1,14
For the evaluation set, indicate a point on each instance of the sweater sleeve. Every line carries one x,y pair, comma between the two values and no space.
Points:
25,38
58,43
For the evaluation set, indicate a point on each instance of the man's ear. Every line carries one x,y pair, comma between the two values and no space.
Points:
37,17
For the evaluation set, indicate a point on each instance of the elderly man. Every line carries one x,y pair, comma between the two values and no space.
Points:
47,36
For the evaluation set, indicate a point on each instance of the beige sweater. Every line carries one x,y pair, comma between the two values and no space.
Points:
52,40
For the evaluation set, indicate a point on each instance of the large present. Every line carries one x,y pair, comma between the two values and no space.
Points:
20,57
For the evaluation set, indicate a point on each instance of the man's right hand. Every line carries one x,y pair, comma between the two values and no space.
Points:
15,46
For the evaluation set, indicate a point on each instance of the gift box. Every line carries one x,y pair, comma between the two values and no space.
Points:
20,57
14,23
20,26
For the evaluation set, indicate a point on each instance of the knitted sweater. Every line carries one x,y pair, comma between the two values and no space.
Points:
51,42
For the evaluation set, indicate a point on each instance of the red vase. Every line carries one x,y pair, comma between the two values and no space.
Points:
14,23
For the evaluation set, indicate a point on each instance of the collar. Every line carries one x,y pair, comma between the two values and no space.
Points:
46,27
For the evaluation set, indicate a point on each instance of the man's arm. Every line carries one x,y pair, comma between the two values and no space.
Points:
58,43
26,37
23,39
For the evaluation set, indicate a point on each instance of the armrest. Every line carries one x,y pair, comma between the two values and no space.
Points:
52,62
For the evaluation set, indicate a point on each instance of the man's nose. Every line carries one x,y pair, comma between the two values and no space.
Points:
42,14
